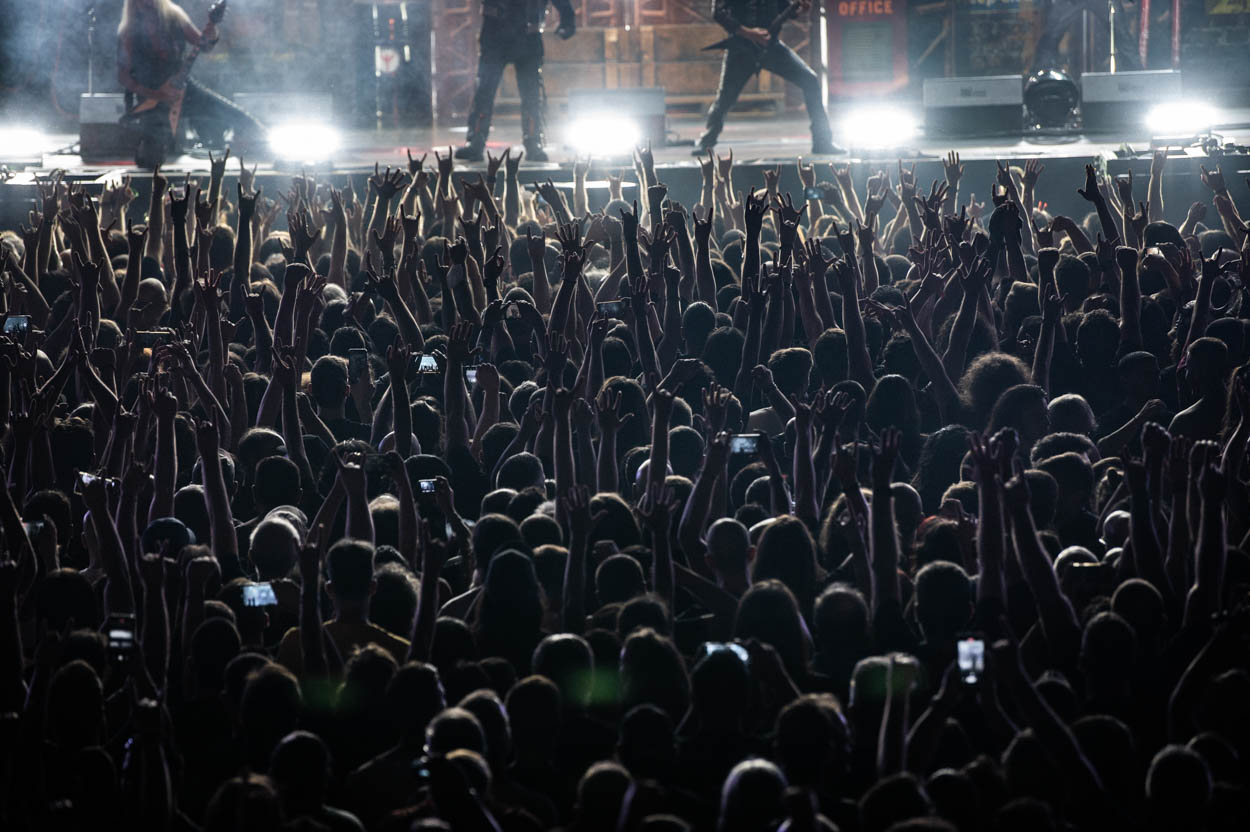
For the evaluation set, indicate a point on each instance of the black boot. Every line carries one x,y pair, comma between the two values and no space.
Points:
470,152
701,148
534,151
825,147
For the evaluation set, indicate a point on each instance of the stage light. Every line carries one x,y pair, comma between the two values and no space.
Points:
1050,97
22,145
1181,117
304,141
879,126
603,134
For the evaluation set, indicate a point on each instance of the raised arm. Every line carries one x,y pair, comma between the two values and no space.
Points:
225,541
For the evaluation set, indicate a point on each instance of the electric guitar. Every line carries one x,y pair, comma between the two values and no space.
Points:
773,30
177,83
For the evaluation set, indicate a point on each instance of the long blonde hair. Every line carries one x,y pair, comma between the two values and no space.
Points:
171,15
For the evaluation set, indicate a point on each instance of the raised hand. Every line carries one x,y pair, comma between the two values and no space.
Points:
351,468
398,358
557,356
952,168
570,239
207,440
885,455
656,507
754,211
460,343
387,185
536,246
1090,192
629,222
1033,169
415,166
1214,179
608,411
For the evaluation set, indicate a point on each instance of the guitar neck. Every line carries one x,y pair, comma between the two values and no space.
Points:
184,72
779,21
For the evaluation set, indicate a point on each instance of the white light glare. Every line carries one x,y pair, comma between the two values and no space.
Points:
21,142
603,134
1177,117
879,126
304,141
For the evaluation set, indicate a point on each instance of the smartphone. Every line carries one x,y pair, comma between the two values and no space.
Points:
119,630
259,595
470,376
813,193
971,657
738,650
357,364
427,364
512,310
1093,578
426,486
150,339
16,324
611,308
744,443
84,479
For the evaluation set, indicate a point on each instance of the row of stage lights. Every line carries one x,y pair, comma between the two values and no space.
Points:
610,135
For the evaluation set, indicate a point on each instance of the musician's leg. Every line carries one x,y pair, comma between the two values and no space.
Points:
737,67
1061,15
490,65
212,113
529,81
783,61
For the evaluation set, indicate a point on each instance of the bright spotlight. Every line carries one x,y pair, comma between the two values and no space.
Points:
304,141
879,127
21,144
1181,117
603,134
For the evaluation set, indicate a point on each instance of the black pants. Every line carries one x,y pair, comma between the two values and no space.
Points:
1065,15
737,67
499,46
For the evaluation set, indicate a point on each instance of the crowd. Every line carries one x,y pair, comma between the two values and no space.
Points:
462,507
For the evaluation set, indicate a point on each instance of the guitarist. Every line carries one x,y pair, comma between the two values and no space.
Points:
751,48
151,40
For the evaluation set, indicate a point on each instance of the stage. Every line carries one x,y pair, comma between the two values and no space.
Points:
758,143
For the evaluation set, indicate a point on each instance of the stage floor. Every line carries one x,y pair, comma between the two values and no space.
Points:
756,141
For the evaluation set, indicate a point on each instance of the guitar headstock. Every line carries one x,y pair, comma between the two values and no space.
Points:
217,11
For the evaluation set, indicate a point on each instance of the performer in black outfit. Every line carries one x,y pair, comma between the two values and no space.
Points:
512,33
1065,15
151,39
747,22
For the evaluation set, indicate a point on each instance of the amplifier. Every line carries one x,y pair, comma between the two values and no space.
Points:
100,135
991,105
1115,100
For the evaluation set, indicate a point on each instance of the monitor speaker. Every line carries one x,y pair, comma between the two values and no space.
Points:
1114,100
101,136
991,105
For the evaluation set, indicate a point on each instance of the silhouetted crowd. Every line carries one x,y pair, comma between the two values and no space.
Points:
456,505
